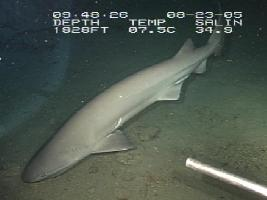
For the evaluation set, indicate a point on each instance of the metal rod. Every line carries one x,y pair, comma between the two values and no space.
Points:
226,177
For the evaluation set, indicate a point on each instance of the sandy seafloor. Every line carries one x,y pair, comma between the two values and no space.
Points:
221,119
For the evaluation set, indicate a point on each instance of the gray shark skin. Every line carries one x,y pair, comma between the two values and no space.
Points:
95,128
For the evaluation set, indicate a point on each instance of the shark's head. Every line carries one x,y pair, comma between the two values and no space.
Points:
43,166
32,174
52,160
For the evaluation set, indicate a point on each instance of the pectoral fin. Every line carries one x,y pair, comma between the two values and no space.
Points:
116,141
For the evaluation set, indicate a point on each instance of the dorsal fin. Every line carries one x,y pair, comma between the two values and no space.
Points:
186,48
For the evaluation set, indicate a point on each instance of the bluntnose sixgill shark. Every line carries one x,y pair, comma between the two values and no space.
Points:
95,128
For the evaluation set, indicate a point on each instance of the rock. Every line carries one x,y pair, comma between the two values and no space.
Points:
146,134
93,170
126,158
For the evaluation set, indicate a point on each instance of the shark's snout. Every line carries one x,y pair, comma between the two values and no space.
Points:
38,169
46,165
31,175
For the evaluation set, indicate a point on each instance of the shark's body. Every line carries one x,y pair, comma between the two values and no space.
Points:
94,129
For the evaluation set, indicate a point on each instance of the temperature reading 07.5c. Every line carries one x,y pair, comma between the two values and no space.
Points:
150,26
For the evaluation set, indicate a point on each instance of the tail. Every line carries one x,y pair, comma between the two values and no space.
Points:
217,37
217,40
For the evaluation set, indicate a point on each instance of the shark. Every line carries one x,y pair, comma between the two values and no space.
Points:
95,128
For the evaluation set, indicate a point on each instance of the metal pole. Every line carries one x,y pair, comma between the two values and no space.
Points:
226,177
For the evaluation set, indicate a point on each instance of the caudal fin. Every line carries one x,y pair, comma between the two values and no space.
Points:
217,37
